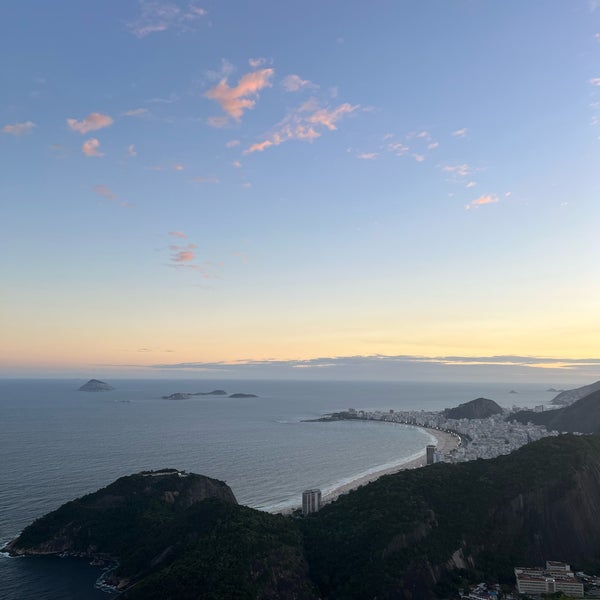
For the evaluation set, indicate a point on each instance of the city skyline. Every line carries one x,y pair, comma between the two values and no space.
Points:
407,189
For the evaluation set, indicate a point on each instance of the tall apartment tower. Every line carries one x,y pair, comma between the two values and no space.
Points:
311,501
430,454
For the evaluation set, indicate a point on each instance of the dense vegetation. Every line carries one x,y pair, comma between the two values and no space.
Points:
411,535
480,408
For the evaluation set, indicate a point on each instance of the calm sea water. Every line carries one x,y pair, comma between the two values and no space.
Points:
57,444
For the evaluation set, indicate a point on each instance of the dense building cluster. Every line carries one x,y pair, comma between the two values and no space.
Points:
479,438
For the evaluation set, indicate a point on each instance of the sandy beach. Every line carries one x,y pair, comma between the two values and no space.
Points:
445,442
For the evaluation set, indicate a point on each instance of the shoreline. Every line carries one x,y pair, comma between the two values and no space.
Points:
444,441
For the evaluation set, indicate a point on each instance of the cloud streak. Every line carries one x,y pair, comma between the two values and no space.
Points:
156,16
19,129
104,191
235,100
306,123
92,122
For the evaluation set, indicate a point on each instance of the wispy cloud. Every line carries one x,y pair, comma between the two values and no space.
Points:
137,112
461,170
368,155
419,157
104,191
305,123
91,148
205,179
177,234
397,148
460,132
595,81
156,16
92,122
232,143
294,83
183,254
471,184
218,122
257,62
18,129
235,100
483,200
237,164
131,150
433,145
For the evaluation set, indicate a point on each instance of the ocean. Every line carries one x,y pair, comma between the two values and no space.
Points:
57,443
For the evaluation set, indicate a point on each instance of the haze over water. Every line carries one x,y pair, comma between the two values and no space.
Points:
58,444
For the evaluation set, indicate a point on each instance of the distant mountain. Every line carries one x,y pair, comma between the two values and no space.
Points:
480,408
419,534
582,416
94,385
569,396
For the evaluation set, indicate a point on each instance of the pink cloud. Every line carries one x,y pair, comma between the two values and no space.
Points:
460,132
328,118
483,200
183,256
595,81
237,164
177,234
90,148
471,184
433,145
368,155
235,100
419,157
92,122
18,129
104,191
303,124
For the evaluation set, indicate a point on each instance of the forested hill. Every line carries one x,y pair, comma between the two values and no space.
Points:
582,416
414,534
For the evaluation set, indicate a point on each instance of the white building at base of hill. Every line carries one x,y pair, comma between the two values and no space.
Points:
556,577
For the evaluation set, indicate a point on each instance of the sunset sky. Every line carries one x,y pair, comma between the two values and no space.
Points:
322,188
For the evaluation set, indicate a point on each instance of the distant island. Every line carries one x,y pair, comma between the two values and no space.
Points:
188,395
95,385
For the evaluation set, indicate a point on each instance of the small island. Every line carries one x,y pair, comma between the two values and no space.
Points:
95,385
240,395
187,395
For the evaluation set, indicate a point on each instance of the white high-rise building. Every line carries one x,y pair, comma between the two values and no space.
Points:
311,501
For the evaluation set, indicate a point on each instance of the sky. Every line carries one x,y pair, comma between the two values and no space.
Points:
400,189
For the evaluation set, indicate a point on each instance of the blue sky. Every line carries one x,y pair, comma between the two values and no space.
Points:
209,183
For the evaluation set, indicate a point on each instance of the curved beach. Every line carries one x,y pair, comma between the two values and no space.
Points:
445,442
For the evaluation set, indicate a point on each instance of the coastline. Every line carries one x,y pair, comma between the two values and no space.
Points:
444,441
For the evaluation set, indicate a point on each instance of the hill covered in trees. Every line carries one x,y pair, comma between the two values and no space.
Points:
582,416
416,534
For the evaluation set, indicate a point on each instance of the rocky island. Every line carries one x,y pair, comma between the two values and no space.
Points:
95,385
187,395
180,535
